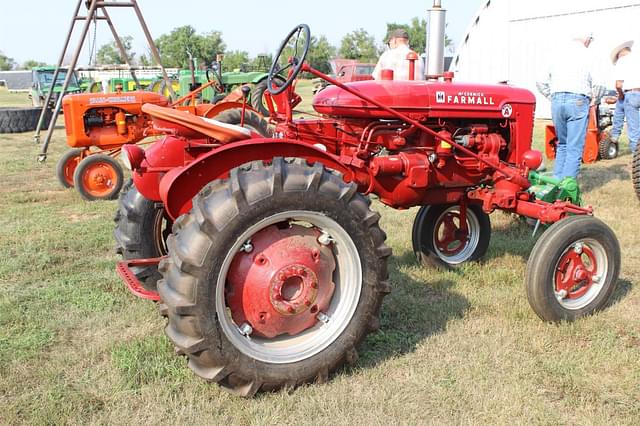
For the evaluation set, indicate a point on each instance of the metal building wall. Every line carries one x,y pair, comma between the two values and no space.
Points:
515,40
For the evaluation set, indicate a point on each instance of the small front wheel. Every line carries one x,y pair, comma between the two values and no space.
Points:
98,177
66,166
440,239
573,269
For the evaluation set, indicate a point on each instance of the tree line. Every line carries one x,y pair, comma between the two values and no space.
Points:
183,43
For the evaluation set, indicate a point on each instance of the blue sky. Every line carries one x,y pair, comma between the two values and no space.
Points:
35,29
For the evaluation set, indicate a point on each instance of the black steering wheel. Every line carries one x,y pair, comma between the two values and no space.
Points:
296,59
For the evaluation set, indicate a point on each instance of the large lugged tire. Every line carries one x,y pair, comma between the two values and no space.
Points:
437,239
19,120
257,95
286,250
142,228
252,120
607,149
635,173
573,269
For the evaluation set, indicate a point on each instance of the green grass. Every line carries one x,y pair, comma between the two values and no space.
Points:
10,99
454,347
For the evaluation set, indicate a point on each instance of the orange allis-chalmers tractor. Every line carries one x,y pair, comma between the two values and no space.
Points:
264,253
98,125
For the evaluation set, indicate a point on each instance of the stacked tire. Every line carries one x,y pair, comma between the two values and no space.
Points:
19,120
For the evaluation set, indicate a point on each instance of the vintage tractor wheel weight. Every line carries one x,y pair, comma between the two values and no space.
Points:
274,277
635,172
98,177
572,269
440,239
67,165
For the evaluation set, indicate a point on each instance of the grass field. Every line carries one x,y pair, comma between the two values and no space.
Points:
458,347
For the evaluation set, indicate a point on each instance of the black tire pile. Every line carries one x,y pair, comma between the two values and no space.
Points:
19,120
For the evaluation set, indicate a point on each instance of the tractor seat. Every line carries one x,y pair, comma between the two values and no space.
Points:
189,125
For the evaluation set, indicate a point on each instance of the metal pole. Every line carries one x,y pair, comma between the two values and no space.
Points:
123,52
435,40
72,66
36,136
153,48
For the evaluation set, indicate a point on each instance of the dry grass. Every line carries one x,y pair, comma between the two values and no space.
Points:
456,347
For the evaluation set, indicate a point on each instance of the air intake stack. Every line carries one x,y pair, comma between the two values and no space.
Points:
435,40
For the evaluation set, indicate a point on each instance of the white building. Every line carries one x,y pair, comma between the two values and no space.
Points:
514,40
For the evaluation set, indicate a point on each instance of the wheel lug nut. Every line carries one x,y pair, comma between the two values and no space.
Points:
322,317
245,329
290,309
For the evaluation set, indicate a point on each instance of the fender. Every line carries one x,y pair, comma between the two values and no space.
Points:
180,185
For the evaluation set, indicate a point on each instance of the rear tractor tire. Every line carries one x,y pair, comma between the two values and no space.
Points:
607,149
438,240
635,172
274,277
141,232
98,177
573,269
257,95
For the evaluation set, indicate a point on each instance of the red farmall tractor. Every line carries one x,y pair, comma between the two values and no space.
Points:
275,266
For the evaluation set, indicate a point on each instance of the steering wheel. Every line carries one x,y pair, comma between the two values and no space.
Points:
295,61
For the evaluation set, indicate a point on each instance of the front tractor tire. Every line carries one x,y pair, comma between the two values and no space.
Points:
66,166
573,269
98,177
440,241
274,277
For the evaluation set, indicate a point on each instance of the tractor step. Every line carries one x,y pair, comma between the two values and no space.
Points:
132,282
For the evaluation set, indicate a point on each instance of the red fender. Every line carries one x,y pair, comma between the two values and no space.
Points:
180,185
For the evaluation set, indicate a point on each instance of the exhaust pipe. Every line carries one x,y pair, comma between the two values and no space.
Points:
435,41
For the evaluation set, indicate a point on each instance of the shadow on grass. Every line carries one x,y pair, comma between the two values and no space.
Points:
595,177
623,288
412,312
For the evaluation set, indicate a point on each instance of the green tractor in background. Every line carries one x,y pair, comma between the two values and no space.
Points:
223,84
42,81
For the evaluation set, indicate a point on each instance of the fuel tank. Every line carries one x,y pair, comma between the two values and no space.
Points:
427,99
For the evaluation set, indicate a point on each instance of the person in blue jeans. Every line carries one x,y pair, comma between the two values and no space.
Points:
571,85
627,75
618,52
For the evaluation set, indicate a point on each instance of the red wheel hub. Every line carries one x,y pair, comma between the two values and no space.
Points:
575,272
450,238
281,283
70,168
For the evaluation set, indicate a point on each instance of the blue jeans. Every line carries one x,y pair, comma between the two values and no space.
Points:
618,121
570,113
632,113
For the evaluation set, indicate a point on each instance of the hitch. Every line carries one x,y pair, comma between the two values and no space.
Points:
133,284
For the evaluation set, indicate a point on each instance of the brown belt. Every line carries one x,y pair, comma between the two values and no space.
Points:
637,89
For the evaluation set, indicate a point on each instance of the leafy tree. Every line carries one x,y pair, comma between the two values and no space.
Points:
6,63
234,59
31,63
320,52
176,46
359,45
109,54
144,60
417,31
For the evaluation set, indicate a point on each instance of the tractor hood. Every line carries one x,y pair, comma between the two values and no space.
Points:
426,98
